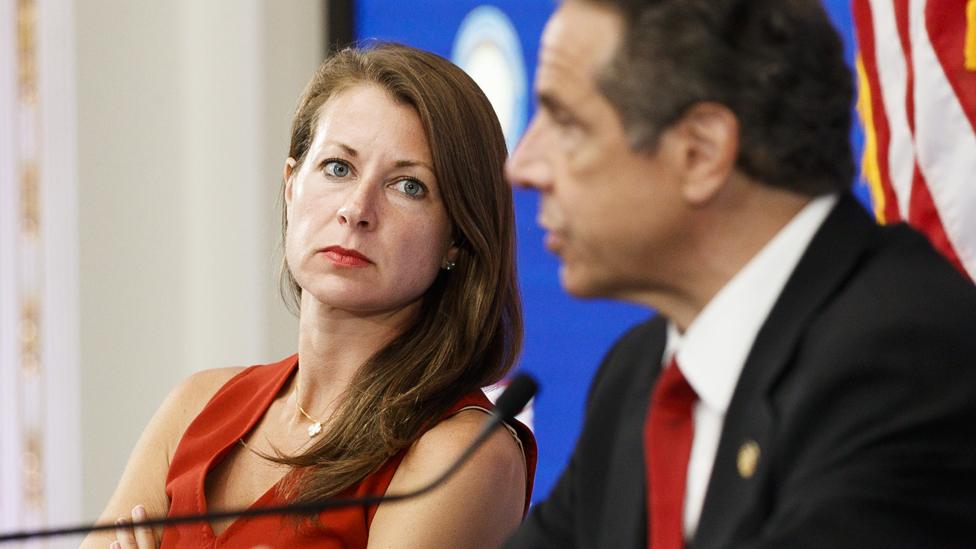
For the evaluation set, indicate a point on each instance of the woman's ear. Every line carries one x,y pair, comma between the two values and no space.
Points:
450,257
287,172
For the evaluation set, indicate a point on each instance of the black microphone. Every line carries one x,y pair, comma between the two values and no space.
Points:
509,404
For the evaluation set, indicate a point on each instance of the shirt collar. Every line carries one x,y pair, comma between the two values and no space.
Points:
713,350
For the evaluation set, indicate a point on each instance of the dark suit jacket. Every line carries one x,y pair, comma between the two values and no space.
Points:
860,391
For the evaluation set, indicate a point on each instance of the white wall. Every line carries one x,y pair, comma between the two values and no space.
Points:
183,117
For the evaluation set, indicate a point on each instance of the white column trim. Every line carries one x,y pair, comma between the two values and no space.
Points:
60,314
39,267
9,302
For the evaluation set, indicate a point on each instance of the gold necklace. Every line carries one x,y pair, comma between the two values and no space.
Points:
316,426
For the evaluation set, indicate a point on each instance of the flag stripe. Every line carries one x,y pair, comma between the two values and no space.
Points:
917,93
925,217
902,26
893,76
946,23
971,36
877,132
870,166
945,147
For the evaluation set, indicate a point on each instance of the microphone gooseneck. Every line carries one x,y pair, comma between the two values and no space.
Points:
509,404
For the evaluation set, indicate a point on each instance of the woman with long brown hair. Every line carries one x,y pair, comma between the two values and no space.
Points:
399,237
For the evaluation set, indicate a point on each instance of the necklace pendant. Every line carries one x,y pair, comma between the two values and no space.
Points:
314,429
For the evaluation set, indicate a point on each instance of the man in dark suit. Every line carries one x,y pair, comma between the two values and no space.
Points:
813,374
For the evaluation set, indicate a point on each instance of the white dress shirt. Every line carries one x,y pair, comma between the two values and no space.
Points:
713,350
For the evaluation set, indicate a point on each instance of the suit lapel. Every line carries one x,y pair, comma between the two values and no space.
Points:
624,501
736,503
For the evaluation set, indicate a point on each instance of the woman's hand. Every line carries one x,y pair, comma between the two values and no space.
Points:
140,537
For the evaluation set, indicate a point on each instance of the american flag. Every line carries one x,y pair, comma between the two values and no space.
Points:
917,79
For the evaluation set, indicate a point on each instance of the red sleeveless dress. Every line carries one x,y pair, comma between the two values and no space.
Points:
232,412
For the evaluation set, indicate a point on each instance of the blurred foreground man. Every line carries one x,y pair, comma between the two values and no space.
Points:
811,378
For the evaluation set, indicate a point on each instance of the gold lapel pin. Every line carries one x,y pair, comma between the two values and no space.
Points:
748,458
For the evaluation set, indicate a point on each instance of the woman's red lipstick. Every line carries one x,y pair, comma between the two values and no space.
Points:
346,258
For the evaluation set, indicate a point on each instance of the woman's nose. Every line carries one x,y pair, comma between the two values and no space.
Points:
358,209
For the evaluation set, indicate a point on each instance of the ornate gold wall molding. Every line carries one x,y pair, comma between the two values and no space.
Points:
29,200
32,405
40,440
27,50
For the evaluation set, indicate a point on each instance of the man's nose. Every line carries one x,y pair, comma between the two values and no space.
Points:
529,165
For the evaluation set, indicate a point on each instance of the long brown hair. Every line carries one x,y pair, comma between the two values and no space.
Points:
468,332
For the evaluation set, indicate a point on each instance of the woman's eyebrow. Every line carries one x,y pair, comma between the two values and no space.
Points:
349,150
412,163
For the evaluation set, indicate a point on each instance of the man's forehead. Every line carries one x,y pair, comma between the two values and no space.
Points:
580,35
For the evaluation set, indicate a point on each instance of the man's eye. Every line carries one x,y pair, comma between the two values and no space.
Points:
336,168
563,119
411,188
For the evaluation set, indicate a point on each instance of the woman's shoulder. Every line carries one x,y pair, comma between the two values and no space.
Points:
477,506
187,399
199,387
191,396
203,384
500,457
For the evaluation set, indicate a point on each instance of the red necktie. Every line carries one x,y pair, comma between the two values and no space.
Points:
668,431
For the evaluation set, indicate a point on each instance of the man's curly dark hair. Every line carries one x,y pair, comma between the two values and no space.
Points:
777,64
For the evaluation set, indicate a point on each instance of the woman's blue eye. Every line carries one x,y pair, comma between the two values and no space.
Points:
336,168
411,188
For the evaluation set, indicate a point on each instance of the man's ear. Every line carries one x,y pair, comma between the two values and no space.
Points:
287,172
709,136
